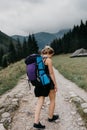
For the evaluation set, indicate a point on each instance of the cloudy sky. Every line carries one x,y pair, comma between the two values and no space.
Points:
31,16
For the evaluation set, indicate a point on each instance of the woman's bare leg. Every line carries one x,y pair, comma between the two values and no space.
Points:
52,96
38,108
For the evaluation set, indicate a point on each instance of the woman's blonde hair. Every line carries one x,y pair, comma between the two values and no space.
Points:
47,50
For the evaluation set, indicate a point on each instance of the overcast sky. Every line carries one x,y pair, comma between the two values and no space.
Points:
22,17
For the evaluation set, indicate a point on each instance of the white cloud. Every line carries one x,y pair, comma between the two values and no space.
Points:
31,16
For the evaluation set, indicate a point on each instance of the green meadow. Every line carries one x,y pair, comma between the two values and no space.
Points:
10,76
74,69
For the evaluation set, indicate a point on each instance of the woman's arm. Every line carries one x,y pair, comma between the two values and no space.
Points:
51,72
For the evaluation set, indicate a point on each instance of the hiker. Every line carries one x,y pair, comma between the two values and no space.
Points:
50,90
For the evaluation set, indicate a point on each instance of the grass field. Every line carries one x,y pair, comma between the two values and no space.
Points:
74,69
10,76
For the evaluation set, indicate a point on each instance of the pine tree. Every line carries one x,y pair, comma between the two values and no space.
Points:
19,52
1,55
29,42
36,48
11,52
4,61
25,53
32,45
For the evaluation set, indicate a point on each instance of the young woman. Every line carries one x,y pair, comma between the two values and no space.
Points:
50,90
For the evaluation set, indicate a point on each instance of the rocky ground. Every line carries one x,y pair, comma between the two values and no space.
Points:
22,97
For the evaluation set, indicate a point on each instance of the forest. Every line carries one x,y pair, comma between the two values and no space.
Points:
18,51
73,40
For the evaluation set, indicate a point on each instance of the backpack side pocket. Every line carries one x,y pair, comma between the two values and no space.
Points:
45,79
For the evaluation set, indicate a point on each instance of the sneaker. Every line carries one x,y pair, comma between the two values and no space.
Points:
39,125
55,117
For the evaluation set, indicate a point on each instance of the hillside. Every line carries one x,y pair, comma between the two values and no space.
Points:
61,33
43,38
5,40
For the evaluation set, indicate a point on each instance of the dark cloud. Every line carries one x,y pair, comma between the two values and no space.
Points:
24,16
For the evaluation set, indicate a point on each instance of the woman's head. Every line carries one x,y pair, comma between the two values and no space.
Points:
47,50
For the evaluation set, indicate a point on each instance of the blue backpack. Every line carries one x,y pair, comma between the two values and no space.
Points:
35,69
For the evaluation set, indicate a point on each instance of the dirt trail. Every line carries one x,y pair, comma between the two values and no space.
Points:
69,118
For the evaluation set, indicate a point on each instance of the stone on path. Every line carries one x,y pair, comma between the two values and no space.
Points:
2,127
85,111
84,105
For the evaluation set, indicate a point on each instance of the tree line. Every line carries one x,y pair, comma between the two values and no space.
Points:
18,51
73,40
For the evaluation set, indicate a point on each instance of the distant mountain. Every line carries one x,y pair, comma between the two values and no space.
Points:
43,38
61,33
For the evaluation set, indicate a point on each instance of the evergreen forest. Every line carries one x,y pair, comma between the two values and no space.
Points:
18,51
73,40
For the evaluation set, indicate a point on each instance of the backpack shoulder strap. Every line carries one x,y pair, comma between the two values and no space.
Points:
44,59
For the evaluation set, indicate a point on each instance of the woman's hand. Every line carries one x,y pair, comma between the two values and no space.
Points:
55,88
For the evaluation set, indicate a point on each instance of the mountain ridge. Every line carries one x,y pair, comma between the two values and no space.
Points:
43,38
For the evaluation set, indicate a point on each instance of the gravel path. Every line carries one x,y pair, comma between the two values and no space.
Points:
69,118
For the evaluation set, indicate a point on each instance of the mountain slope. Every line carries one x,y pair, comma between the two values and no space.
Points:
61,33
5,40
21,38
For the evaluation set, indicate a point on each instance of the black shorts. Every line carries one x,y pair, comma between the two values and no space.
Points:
41,90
